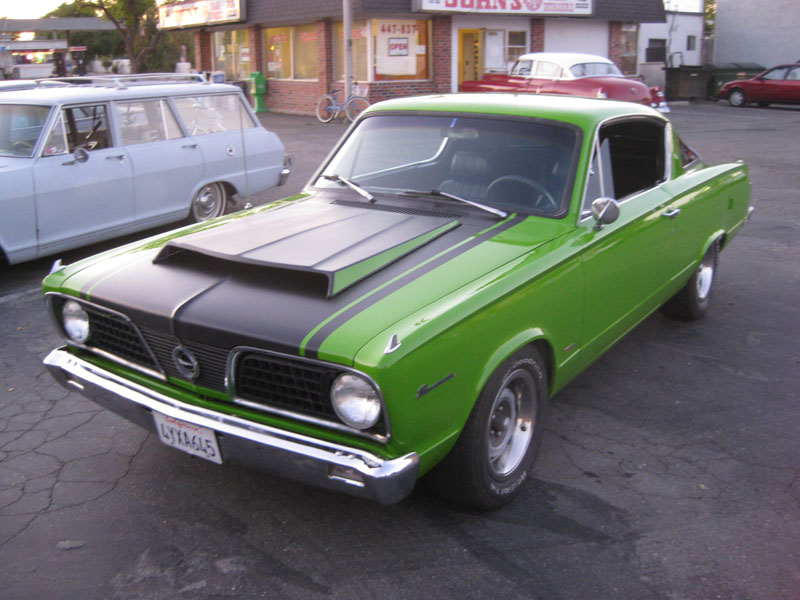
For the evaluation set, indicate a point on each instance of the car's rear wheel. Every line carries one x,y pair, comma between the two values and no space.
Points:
737,97
498,445
209,202
692,301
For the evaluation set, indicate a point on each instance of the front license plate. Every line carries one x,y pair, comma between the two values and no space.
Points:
194,439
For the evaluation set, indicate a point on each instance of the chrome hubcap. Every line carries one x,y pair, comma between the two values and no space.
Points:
705,276
511,422
207,202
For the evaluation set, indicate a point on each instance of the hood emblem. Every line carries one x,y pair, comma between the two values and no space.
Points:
185,362
394,344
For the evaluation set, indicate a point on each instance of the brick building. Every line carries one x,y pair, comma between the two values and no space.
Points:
399,47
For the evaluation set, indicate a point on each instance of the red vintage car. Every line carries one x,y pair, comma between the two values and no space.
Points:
572,74
779,84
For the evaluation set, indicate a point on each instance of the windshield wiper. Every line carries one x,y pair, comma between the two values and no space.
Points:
438,193
353,186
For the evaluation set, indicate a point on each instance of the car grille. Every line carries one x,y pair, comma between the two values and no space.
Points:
115,335
212,360
276,382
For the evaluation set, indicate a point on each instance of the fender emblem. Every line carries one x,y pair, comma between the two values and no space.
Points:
429,388
394,344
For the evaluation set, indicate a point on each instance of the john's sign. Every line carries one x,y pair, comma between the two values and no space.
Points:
513,7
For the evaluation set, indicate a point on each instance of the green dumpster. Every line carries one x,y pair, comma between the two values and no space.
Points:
258,89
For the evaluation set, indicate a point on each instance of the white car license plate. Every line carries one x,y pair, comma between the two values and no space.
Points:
194,439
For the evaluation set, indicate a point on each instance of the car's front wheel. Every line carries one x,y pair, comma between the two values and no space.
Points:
209,202
692,301
737,97
498,445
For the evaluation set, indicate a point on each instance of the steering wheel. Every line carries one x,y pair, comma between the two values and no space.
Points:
22,146
507,184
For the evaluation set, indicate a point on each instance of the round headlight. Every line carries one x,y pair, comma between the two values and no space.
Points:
75,321
355,401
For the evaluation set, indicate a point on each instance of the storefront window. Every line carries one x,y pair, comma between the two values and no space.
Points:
304,41
517,46
232,53
360,37
402,49
278,45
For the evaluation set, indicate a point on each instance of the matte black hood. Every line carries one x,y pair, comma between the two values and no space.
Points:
333,245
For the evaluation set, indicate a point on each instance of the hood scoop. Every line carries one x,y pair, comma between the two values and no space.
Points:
332,246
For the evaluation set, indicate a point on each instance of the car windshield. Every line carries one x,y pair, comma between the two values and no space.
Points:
20,127
509,164
595,69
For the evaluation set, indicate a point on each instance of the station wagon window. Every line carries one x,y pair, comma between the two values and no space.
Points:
20,127
143,121
204,115
79,126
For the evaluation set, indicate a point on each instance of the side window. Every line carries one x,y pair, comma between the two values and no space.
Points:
143,121
776,74
601,181
86,126
636,155
57,140
547,69
204,115
794,74
522,68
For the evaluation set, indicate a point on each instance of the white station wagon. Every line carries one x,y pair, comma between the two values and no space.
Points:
80,164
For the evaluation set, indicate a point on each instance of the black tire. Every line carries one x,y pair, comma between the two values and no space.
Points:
692,301
355,106
498,445
209,202
737,97
325,108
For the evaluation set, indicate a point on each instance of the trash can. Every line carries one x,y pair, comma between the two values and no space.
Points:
686,83
720,73
258,89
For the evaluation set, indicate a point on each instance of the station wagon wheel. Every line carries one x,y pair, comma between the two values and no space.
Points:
692,301
737,97
499,442
510,189
209,202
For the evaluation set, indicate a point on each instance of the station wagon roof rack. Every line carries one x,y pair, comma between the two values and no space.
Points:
125,81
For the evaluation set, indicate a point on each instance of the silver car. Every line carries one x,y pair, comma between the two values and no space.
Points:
84,163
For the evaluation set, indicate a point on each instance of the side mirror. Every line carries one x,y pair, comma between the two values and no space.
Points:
80,155
605,211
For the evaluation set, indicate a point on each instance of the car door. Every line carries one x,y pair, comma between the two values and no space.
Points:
83,196
166,166
217,124
769,87
626,264
791,86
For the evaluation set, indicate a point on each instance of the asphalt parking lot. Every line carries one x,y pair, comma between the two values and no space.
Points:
670,469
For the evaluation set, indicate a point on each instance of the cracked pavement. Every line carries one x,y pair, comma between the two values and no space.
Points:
670,469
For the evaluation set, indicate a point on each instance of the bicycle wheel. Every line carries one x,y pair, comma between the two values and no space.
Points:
355,106
327,108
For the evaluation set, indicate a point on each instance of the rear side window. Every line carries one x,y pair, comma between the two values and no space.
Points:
143,121
204,115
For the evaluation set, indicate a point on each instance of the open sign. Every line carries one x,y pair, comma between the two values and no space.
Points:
398,46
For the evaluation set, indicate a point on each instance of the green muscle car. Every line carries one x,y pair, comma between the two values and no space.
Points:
455,262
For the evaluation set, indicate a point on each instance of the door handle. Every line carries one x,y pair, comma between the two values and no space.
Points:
119,157
189,146
671,213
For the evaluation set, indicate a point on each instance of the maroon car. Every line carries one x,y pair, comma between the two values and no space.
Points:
572,74
779,84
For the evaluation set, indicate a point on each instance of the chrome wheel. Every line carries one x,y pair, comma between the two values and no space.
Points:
737,97
209,202
511,422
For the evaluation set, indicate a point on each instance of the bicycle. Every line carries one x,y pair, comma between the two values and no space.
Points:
328,107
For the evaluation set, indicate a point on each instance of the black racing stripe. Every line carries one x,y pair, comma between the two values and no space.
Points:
313,346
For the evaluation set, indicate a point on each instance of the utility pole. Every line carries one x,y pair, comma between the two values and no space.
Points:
347,25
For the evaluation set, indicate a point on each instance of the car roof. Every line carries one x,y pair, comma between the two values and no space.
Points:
565,59
586,113
70,94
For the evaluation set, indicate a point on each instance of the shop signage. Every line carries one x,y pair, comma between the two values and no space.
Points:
200,12
398,46
573,8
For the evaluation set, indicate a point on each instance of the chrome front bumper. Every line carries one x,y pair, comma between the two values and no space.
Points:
290,455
